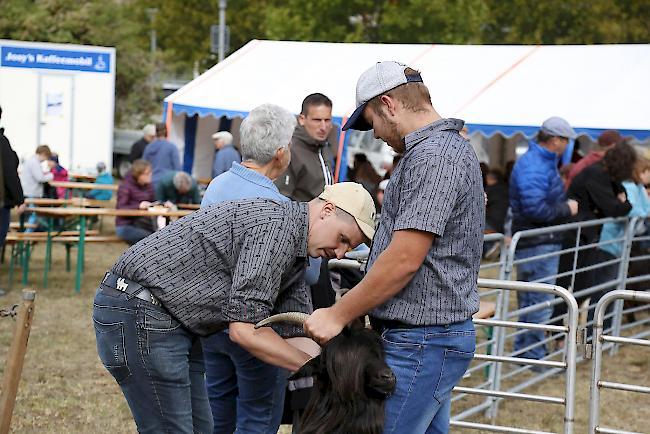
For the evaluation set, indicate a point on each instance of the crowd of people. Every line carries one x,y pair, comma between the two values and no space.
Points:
268,224
272,217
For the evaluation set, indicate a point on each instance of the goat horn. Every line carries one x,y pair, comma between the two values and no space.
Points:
293,317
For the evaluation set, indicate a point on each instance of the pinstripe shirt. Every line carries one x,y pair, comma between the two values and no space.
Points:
231,261
436,188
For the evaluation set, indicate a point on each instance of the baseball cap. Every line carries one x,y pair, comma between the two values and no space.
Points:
379,79
224,135
356,201
557,126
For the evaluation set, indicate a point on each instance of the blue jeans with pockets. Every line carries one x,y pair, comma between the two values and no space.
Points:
155,360
543,271
428,362
246,394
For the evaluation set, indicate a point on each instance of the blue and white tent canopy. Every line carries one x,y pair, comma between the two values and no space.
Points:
495,89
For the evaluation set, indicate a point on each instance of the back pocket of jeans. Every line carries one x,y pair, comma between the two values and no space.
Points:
111,349
454,365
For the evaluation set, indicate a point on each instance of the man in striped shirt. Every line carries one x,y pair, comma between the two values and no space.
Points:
420,289
228,265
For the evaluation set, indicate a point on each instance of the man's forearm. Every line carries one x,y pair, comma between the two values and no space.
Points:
267,345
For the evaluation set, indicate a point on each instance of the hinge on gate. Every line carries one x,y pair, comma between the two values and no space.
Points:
583,345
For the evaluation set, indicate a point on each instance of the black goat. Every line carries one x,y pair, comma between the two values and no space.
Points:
351,381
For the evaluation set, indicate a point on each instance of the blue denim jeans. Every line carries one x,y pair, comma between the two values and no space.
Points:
543,271
428,362
131,234
246,395
156,361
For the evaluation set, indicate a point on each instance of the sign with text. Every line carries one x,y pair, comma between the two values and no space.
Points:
29,57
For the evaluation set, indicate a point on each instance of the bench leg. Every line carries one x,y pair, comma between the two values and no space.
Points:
12,264
26,256
80,253
67,257
48,250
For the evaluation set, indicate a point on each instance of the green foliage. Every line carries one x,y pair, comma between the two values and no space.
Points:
183,29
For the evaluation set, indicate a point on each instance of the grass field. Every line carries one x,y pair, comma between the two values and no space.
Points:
65,389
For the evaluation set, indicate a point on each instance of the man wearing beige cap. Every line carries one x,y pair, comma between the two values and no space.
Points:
420,288
226,153
226,266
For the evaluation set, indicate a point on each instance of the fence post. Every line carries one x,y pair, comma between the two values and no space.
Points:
622,279
507,255
15,359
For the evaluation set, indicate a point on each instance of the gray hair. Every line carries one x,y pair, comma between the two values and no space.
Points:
182,179
266,129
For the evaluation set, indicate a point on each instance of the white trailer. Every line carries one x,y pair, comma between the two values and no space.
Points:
60,95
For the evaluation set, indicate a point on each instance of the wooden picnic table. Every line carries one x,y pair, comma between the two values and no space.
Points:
75,201
193,206
73,185
83,213
82,177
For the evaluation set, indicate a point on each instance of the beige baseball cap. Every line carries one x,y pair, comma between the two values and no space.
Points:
356,201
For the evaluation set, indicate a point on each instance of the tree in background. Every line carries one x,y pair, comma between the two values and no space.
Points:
183,30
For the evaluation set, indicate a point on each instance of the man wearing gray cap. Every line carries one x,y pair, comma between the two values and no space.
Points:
537,200
420,289
226,153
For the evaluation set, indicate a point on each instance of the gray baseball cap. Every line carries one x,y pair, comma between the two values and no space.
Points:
379,79
559,127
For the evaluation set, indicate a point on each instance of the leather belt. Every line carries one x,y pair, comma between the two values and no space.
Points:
379,325
129,287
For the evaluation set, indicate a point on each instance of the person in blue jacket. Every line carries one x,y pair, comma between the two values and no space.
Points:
103,177
537,200
162,154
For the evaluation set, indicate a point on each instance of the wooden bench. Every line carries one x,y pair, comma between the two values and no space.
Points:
68,238
14,226
15,237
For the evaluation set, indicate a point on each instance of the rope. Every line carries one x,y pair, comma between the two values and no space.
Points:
9,312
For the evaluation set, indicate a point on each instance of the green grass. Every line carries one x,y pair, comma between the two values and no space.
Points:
65,388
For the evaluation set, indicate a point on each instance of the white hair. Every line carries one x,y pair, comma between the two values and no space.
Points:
149,130
182,180
266,129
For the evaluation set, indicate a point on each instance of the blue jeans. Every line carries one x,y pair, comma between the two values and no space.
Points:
131,234
246,395
156,361
543,271
428,362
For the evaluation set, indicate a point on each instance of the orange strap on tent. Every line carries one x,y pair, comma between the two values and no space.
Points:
339,153
168,120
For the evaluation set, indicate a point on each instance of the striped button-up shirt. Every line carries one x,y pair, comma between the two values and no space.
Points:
435,188
236,261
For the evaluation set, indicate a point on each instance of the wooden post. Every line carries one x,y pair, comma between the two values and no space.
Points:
15,359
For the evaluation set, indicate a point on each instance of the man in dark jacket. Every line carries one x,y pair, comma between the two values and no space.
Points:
162,154
148,136
537,199
312,159
309,171
177,187
11,192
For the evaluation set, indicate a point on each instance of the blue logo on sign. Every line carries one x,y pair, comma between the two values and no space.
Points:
23,57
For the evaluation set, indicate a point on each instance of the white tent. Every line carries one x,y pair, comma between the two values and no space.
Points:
504,89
